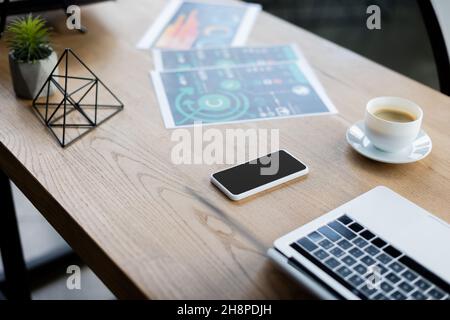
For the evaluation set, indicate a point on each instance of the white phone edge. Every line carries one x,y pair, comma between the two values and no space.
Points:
237,197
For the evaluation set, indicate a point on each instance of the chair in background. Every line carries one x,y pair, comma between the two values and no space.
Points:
313,13
436,16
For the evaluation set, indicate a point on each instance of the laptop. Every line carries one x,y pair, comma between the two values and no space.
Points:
379,246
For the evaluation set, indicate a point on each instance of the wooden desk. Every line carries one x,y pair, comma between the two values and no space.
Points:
118,200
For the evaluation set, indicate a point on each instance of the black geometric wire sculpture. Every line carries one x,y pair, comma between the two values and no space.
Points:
72,115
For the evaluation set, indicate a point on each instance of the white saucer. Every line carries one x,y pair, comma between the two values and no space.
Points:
418,150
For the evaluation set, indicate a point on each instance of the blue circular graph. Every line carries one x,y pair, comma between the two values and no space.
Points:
220,106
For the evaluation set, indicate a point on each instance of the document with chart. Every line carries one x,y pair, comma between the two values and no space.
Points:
239,93
199,24
223,56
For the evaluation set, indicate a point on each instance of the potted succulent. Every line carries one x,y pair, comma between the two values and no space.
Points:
31,58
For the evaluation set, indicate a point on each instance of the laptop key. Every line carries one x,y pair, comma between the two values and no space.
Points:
392,251
366,234
436,293
343,231
320,254
422,284
330,234
417,295
372,250
337,252
344,244
356,227
367,291
360,242
382,268
397,267
315,236
379,242
384,258
356,252
332,263
386,287
368,260
345,219
360,269
409,275
397,295
405,286
349,260
307,244
355,280
379,296
393,278
325,243
343,271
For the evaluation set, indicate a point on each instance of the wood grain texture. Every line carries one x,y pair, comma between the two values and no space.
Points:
118,200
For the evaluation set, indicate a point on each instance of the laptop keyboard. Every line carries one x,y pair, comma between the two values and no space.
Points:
367,265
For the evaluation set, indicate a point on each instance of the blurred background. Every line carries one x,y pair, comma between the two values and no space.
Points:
403,32
341,21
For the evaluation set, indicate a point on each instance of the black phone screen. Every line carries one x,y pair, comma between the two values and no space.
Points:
253,174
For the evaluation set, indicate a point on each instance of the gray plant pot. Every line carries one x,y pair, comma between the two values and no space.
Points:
28,78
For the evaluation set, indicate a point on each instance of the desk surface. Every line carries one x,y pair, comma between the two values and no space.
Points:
120,203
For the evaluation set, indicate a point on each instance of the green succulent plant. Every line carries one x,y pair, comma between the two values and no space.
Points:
28,39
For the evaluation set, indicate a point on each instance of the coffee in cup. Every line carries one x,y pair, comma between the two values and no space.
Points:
392,123
391,113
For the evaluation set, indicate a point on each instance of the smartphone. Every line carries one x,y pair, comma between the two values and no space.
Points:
249,178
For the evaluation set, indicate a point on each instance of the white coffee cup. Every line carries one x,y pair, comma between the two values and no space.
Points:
388,135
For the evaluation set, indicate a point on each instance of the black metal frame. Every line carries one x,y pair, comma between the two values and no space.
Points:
44,267
4,6
441,55
18,274
67,100
17,282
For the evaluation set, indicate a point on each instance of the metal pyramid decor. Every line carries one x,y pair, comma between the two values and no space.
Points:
75,101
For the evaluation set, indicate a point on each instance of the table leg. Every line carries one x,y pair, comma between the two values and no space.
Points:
3,15
16,274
